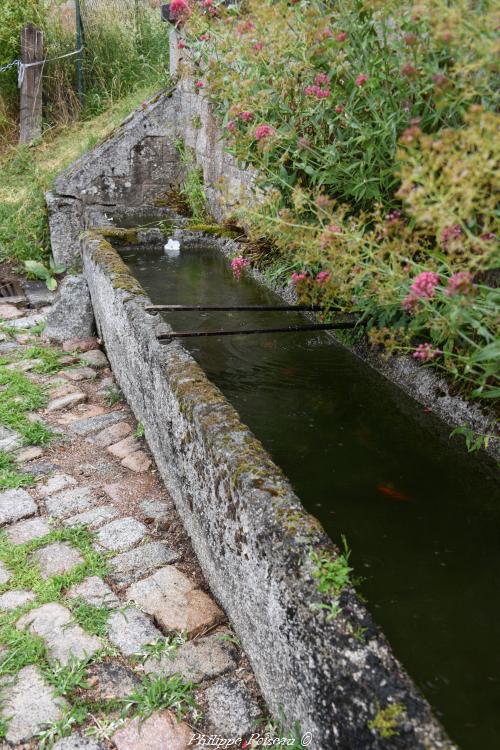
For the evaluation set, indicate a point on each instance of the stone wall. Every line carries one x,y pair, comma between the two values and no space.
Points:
252,536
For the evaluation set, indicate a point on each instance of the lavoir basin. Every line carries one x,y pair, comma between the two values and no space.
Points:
421,516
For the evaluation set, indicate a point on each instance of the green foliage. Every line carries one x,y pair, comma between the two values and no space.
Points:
20,396
193,190
139,431
43,272
72,717
386,720
67,678
10,477
168,646
333,576
92,619
112,396
156,693
373,131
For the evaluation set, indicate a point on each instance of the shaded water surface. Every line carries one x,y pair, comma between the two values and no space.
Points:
422,517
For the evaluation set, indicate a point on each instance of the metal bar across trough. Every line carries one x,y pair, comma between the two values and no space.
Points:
246,331
237,308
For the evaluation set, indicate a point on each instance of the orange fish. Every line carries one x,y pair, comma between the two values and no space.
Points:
392,493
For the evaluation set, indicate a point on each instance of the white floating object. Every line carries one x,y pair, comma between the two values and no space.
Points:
172,248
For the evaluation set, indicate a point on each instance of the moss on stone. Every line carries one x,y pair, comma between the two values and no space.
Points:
121,235
219,230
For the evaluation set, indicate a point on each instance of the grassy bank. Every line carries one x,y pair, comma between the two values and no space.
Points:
28,172
373,131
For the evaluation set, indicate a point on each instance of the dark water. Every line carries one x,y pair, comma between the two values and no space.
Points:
430,555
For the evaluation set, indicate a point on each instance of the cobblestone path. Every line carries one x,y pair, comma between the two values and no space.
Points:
109,637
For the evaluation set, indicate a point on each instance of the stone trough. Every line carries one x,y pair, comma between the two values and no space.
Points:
249,530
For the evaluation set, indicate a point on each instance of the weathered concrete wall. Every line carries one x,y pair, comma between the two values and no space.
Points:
252,535
132,168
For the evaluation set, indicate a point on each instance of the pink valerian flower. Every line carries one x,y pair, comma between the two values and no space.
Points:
339,109
488,236
207,3
238,264
426,352
317,92
144,105
321,79
264,131
361,79
297,278
450,234
459,283
258,46
393,219
181,44
325,34
199,85
408,70
245,26
341,36
410,39
180,9
322,277
423,287
329,235
246,116
303,142
231,126
204,37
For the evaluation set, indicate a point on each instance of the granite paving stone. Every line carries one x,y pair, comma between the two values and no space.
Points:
80,373
94,591
121,534
94,518
110,681
9,440
94,358
91,424
130,566
66,402
65,639
82,345
5,574
161,731
55,484
25,531
28,454
70,502
130,629
10,312
175,601
201,659
138,462
124,447
16,598
78,742
56,558
16,504
111,435
232,712
29,705
156,510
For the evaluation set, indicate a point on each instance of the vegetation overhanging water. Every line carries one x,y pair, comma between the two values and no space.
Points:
422,518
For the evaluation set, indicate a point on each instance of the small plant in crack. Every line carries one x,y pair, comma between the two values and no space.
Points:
229,638
103,728
66,678
72,718
169,645
91,618
386,720
139,432
333,576
112,396
156,693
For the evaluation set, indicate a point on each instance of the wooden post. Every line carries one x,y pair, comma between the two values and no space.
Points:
30,125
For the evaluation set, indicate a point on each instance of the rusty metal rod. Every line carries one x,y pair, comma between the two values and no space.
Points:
237,308
246,331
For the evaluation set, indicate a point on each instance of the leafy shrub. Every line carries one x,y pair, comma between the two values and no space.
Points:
372,129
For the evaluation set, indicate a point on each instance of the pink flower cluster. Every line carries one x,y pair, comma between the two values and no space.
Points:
298,277
329,235
459,283
393,217
199,85
264,131
322,277
317,92
449,234
426,352
180,9
321,88
238,264
341,36
361,79
246,116
423,287
258,46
